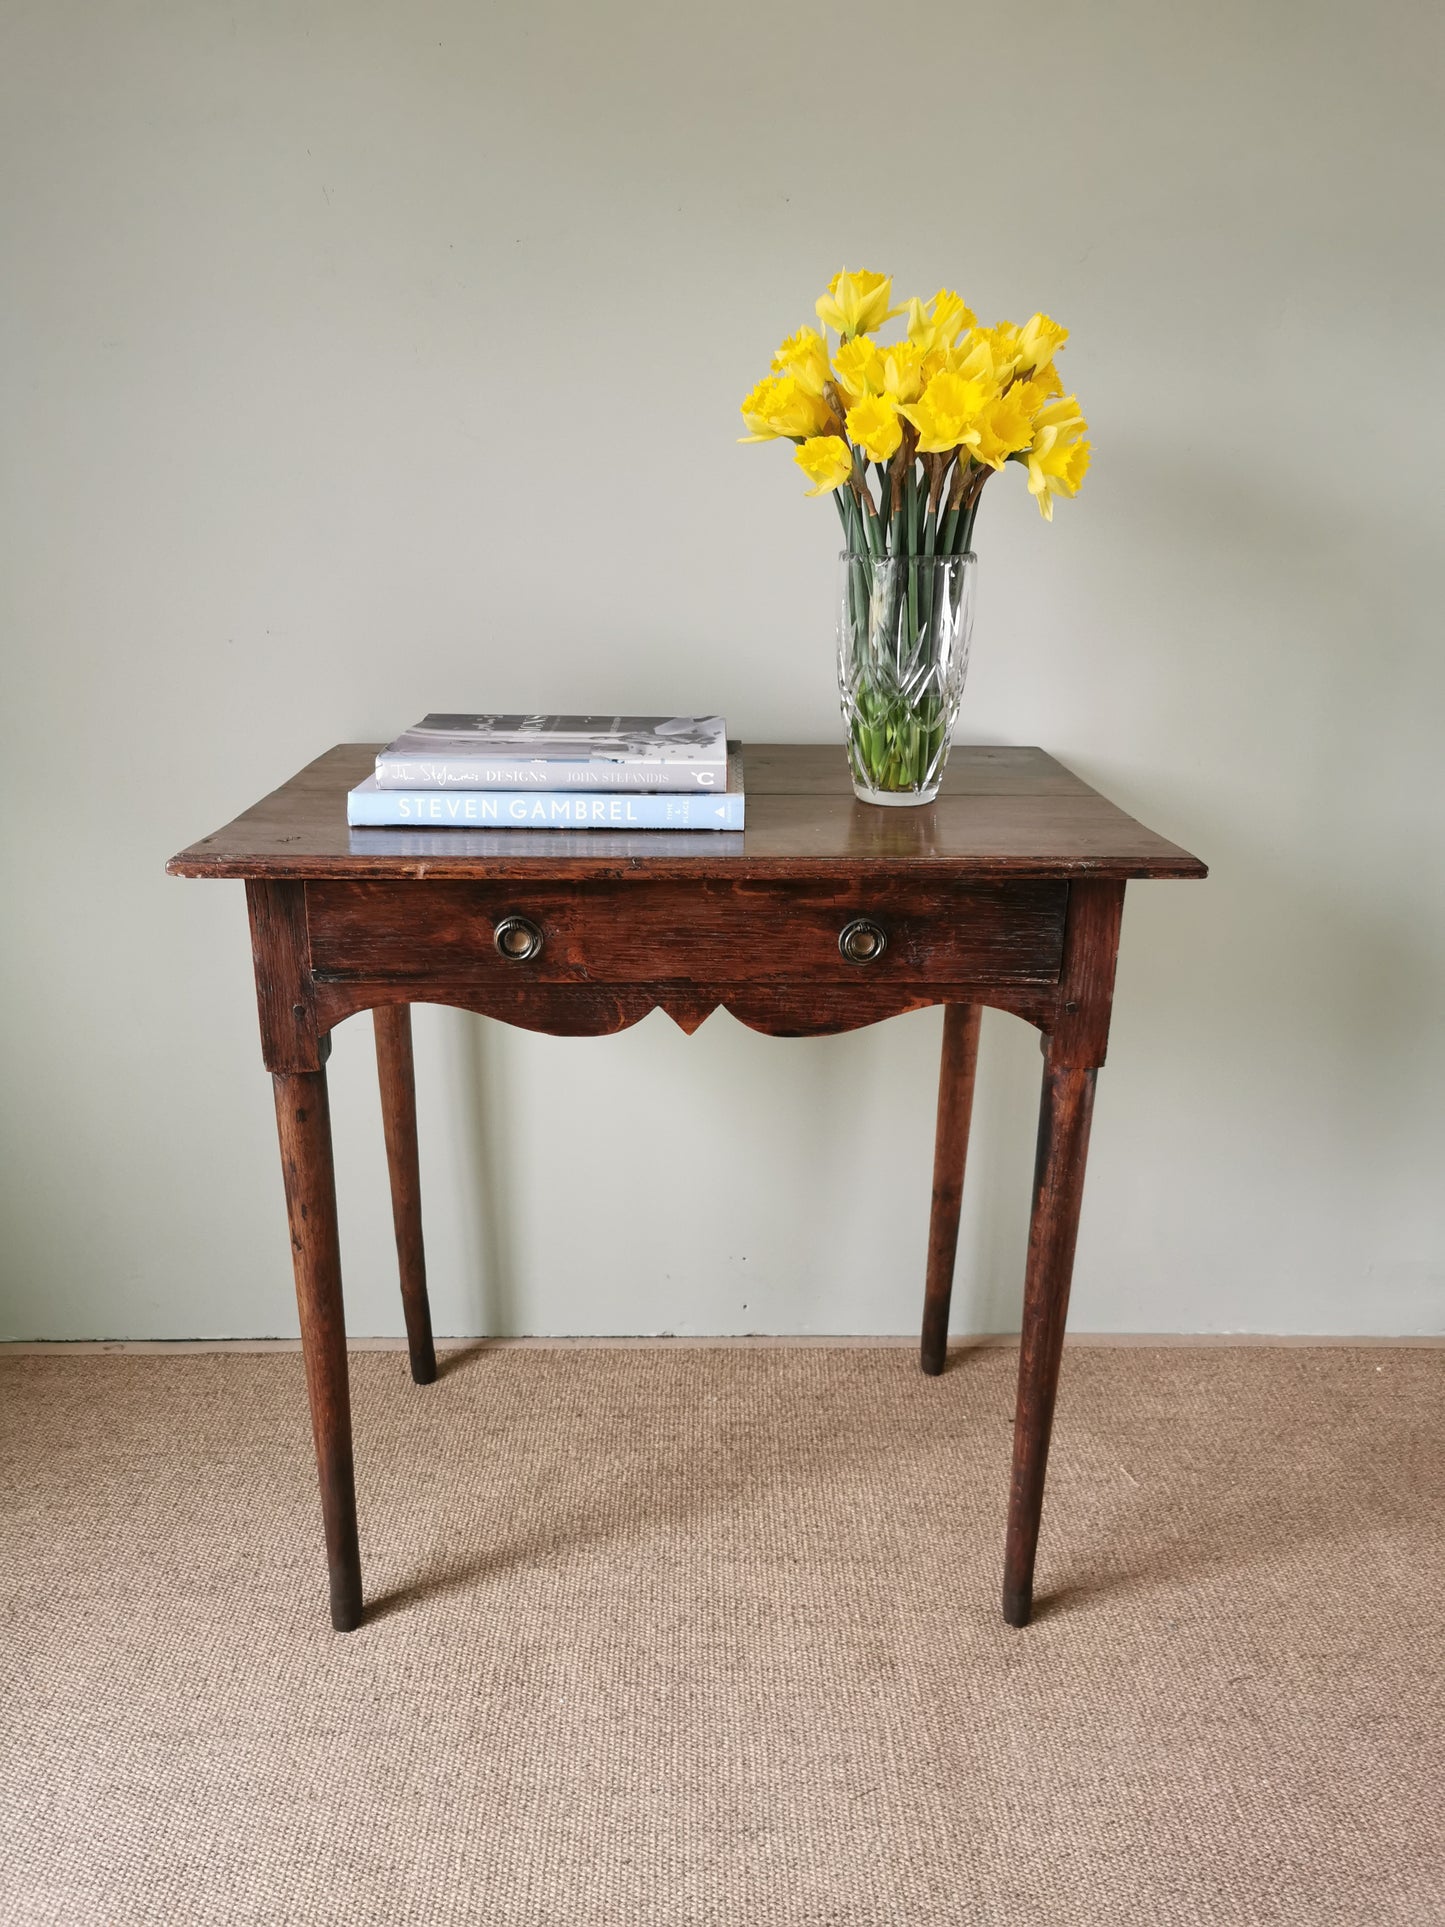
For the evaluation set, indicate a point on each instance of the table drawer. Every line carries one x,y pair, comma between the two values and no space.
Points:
706,932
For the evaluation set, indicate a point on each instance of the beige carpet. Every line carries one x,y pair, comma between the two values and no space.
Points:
711,1636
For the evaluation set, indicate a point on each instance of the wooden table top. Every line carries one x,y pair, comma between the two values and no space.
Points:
1002,812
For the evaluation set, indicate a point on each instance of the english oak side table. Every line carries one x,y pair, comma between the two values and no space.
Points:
824,915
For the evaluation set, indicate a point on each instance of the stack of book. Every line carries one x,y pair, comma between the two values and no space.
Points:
555,772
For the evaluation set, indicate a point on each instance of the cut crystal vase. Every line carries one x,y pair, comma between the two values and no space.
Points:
904,624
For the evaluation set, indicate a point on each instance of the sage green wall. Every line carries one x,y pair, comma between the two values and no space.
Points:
364,359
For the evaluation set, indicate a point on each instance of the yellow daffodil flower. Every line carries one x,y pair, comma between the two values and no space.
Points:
1063,413
827,461
1005,425
945,413
873,426
940,324
780,407
857,304
1057,471
1059,458
1039,341
1047,381
998,348
902,370
976,358
859,368
804,356
987,395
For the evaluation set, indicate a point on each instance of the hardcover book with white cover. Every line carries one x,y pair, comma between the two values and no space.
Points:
369,805
484,752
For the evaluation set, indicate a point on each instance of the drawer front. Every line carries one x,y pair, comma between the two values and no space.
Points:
707,933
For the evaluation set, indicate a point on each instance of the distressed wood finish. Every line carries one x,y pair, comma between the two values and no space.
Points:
705,932
1075,1047
285,991
1080,1025
396,1074
303,1122
1063,1148
956,1072
597,1010
1008,891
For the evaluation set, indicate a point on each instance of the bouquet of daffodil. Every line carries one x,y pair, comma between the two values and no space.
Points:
932,416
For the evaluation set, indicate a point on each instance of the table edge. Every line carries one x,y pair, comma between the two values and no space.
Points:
1173,863
701,868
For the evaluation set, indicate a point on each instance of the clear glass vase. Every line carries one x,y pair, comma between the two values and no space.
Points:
904,624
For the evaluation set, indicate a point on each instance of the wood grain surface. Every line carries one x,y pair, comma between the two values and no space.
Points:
703,930
396,1076
1002,813
303,1123
957,1070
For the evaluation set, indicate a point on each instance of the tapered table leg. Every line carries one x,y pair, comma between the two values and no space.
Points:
397,1074
303,1120
950,1151
1064,1114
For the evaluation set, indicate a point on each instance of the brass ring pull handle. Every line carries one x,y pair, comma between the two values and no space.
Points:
517,939
862,941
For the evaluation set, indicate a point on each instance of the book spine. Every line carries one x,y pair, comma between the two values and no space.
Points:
483,773
531,810
602,846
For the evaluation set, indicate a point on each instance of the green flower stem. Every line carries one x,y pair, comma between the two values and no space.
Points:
926,511
928,552
965,517
872,528
860,578
910,516
966,538
859,485
850,513
893,743
857,524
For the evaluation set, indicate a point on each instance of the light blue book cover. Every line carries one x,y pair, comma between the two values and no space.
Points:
370,805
